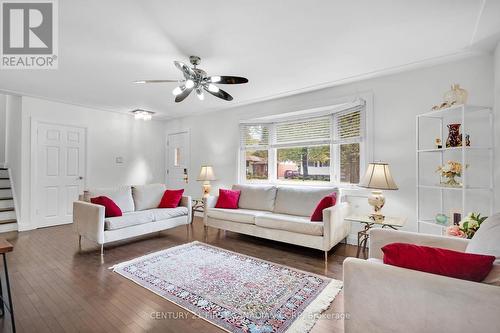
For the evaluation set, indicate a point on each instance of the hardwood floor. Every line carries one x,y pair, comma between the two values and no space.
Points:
58,289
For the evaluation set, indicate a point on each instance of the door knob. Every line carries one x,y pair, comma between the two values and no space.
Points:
80,178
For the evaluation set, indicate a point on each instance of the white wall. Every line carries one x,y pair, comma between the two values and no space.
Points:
397,98
497,121
109,135
3,119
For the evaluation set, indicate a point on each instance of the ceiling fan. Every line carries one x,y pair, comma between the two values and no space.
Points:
197,79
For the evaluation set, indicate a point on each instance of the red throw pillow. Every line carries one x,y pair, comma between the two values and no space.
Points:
460,265
328,201
171,198
228,199
110,208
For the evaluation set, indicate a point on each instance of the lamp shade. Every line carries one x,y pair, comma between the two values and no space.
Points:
206,173
378,176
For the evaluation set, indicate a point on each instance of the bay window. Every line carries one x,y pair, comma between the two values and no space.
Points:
309,150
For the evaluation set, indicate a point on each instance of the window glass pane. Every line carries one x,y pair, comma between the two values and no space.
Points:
304,164
256,164
349,163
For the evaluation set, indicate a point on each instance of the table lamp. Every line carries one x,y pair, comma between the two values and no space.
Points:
378,177
206,175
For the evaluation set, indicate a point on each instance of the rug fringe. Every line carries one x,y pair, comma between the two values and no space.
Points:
307,319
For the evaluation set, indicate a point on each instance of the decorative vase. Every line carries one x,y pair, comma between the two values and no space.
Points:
456,95
450,181
454,137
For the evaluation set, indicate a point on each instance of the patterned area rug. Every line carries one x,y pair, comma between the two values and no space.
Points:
235,292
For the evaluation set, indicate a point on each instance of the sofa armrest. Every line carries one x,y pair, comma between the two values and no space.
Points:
381,237
187,202
384,298
335,226
208,202
89,220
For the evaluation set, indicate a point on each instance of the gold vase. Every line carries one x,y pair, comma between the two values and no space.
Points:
456,95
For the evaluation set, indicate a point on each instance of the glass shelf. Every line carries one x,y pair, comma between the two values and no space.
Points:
455,110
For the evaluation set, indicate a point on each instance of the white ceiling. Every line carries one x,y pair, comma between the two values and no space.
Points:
281,46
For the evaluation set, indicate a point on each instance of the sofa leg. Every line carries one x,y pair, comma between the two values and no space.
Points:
326,259
102,250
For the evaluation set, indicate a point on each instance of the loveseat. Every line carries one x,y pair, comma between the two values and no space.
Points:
282,213
384,298
140,214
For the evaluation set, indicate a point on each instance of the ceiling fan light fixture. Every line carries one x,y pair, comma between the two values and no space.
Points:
189,84
140,82
200,95
177,91
213,88
215,79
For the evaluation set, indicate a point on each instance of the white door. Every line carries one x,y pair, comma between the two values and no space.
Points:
60,171
178,159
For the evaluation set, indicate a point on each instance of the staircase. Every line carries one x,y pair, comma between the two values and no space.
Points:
8,220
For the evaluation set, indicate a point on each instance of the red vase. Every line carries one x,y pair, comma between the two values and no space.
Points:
454,137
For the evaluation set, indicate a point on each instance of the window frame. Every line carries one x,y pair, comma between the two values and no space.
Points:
335,173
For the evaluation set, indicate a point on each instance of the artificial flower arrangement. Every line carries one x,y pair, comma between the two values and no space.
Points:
467,227
449,171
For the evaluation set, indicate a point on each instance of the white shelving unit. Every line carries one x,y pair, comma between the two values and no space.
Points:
464,111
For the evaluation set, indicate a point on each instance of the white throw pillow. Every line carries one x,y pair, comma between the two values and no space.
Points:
487,239
148,196
122,196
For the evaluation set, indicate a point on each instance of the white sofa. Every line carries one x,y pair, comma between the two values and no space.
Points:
385,298
140,214
282,213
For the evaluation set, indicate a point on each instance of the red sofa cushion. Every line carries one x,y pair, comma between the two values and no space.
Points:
228,199
328,201
110,208
460,265
171,198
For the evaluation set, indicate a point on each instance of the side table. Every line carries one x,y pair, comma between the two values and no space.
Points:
197,206
6,247
363,235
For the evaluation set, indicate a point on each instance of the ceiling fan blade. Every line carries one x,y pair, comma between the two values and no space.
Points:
155,81
220,93
182,96
228,79
188,72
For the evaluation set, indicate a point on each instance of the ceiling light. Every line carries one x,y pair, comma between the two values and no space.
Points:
140,114
178,90
215,79
213,88
200,95
189,84
141,81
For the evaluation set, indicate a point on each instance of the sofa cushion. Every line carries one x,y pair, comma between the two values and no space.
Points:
486,240
298,224
235,215
128,220
300,200
161,214
148,196
122,196
171,198
258,197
